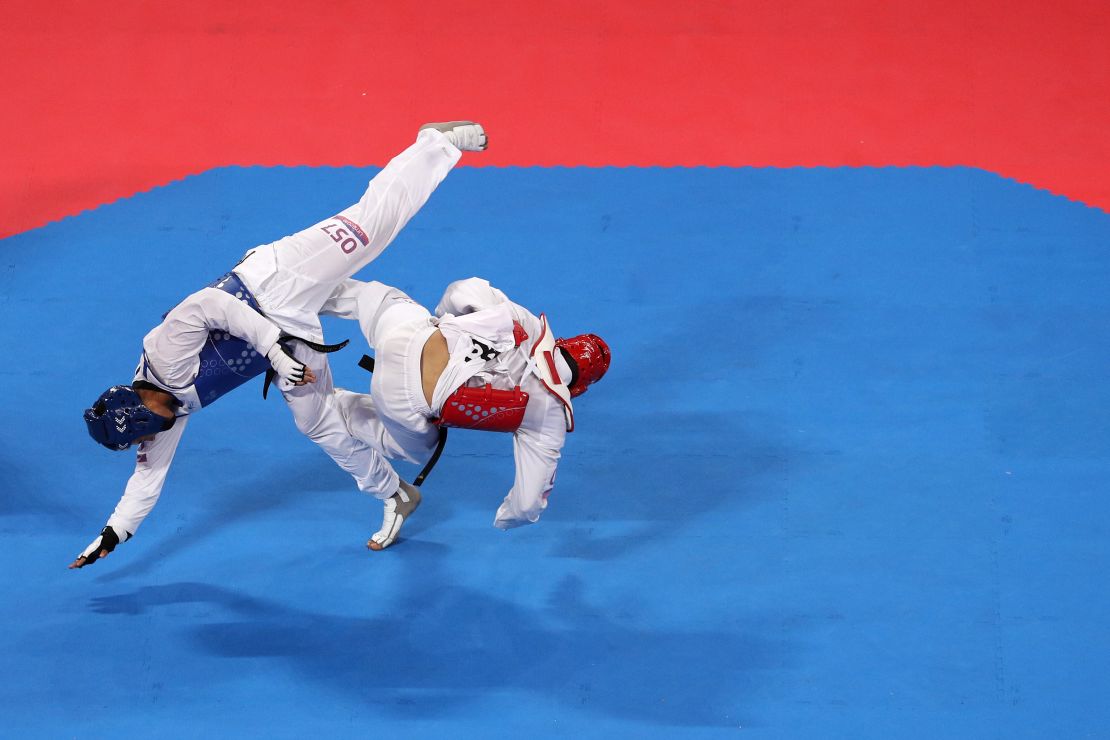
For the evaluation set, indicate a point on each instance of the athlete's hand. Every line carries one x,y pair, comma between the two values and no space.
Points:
288,367
98,548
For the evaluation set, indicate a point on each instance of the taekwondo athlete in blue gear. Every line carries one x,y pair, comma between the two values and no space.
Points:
119,416
265,315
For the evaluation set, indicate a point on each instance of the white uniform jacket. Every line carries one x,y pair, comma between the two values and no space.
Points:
537,444
171,361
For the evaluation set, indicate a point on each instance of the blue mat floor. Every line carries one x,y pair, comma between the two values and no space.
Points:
845,478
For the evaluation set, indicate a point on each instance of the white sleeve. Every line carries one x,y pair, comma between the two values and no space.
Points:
536,451
173,346
476,294
468,296
152,462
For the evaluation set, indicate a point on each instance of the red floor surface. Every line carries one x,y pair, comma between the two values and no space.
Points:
106,99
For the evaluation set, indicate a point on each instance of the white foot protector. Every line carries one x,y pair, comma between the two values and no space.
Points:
465,135
398,508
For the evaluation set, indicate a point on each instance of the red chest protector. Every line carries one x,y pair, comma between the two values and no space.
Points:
486,409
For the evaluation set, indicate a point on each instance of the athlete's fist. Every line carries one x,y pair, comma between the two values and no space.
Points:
98,548
288,367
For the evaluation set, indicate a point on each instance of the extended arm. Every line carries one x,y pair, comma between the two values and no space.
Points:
152,463
536,464
537,447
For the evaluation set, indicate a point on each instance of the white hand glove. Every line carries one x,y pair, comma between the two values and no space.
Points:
287,366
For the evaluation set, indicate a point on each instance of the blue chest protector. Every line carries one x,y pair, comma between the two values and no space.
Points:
226,361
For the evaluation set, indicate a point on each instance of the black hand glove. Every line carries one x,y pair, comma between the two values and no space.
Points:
107,541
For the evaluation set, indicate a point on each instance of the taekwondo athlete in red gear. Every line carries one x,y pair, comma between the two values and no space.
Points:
482,362
264,314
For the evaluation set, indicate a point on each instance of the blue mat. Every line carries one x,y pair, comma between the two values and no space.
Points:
845,478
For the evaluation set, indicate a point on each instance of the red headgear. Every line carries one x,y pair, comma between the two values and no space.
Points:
591,359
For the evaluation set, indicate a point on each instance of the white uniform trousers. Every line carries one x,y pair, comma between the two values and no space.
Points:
395,418
293,278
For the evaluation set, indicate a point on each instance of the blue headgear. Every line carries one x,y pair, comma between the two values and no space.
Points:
119,417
